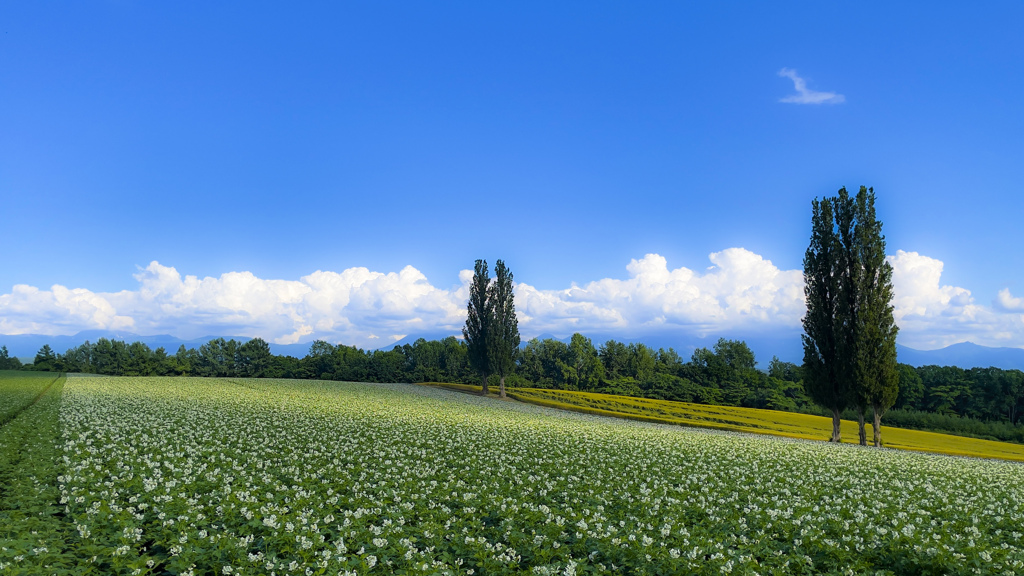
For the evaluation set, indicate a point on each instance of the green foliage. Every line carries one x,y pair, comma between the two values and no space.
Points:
45,359
911,387
581,367
735,354
217,358
725,375
253,358
786,371
951,424
849,330
445,360
540,362
479,313
503,345
848,268
34,538
18,390
822,289
7,362
615,358
877,371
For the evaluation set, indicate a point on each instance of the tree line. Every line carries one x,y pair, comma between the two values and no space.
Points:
980,402
8,362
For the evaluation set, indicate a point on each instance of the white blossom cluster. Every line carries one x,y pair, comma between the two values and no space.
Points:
203,476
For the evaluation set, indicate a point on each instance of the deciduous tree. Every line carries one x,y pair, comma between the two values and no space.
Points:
582,369
253,358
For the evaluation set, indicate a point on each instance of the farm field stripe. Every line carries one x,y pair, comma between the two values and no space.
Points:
33,526
18,390
11,417
750,420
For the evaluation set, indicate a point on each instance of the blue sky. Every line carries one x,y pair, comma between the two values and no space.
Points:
568,139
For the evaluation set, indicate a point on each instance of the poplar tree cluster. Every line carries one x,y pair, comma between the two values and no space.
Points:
849,330
492,330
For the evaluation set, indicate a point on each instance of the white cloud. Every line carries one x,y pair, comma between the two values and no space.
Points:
741,292
360,307
1005,302
341,307
27,309
805,95
931,315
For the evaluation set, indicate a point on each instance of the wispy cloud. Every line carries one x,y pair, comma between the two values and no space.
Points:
805,95
1005,302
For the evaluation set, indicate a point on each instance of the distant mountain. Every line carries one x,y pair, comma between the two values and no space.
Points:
410,339
26,345
964,355
296,350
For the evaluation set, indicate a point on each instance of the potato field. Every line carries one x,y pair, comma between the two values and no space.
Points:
213,476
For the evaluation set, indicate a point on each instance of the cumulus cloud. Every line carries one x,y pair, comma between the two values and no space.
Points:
28,309
804,95
932,315
741,292
741,289
370,309
352,306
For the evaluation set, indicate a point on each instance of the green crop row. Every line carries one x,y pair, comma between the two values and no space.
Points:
20,389
33,537
205,476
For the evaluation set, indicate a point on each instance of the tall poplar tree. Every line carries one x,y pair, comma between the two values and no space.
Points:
848,268
849,331
504,328
822,362
877,369
478,321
